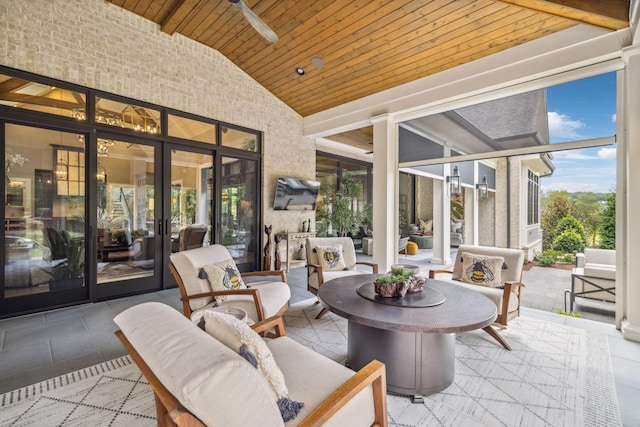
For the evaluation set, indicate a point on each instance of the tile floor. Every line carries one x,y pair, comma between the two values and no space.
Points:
40,346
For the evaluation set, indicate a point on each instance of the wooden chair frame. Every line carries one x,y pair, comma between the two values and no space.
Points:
170,412
503,314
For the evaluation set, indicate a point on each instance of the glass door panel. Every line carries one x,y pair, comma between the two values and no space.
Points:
190,199
44,218
125,218
238,211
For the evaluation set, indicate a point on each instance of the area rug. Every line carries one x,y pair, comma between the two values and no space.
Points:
555,376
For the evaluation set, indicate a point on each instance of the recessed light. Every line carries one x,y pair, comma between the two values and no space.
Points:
317,62
300,71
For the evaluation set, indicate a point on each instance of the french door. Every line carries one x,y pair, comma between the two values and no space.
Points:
128,238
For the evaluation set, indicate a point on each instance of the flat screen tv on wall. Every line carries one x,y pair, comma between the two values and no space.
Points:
294,194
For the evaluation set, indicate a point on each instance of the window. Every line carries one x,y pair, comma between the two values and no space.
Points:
533,194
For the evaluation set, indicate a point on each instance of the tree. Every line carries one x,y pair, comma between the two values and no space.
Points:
338,207
569,235
555,206
608,224
589,212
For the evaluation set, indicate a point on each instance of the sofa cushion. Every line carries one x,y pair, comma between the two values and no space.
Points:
311,377
194,366
238,336
223,276
482,270
602,271
331,258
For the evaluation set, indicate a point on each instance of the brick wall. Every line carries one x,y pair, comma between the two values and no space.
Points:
96,44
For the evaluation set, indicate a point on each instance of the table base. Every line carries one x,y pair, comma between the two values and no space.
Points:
417,363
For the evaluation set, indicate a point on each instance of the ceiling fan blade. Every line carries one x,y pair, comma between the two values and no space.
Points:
255,21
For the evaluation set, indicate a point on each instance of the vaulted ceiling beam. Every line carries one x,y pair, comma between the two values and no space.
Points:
609,14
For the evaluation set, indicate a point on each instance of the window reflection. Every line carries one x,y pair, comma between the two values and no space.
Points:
44,228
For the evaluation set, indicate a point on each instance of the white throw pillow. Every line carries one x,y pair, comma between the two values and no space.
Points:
239,337
331,257
426,226
223,276
482,270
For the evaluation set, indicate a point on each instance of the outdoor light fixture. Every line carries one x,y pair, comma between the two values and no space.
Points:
483,188
101,175
62,170
454,181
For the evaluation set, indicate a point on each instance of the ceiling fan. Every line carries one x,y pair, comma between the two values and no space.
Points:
255,21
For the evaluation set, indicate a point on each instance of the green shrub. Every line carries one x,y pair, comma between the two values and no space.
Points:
570,222
569,240
547,258
551,257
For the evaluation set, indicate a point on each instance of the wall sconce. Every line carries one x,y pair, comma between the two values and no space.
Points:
483,188
101,175
62,170
454,182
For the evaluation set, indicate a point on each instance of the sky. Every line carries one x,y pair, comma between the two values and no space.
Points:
583,109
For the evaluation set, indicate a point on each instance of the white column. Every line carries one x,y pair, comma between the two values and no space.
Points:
628,197
442,218
385,191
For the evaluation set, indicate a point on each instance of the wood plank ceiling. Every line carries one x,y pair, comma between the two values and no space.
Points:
366,46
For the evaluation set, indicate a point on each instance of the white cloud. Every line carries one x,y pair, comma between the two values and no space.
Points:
614,118
562,126
572,155
607,153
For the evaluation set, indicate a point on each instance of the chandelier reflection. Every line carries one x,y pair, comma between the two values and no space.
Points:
103,146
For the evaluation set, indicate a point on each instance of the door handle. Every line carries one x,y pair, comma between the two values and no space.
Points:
159,227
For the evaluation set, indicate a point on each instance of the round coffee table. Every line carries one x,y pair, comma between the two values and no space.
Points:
417,344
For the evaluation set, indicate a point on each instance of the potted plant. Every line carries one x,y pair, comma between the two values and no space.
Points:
68,272
338,208
398,283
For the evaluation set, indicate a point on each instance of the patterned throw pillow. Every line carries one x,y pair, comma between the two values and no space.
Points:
331,258
482,270
239,337
223,276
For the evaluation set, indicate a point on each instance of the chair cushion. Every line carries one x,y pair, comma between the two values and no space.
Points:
482,270
223,276
331,258
194,367
188,264
239,337
326,276
274,296
311,377
494,294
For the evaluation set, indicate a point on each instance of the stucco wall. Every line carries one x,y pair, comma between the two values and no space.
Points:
424,198
96,44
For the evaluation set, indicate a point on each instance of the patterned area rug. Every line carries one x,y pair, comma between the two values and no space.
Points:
108,394
555,376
